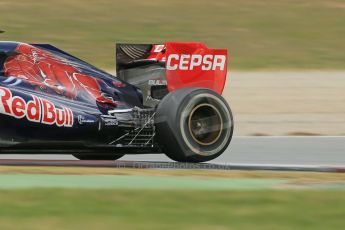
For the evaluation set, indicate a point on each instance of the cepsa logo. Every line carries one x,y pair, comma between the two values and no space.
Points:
36,110
191,62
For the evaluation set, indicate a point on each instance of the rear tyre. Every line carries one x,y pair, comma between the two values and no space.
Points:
193,125
97,157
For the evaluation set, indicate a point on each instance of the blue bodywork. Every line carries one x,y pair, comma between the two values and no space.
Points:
88,125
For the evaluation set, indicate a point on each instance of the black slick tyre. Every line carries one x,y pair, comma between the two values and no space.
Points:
193,125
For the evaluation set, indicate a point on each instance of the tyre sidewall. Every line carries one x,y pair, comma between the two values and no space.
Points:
180,145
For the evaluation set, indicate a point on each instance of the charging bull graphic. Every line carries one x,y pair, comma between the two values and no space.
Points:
48,71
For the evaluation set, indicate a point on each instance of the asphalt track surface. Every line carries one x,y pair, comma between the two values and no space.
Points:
286,153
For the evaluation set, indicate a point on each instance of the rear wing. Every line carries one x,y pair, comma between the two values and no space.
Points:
161,68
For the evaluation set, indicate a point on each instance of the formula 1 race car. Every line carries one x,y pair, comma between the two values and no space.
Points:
165,99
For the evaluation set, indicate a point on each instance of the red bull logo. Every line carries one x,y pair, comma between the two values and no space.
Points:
36,110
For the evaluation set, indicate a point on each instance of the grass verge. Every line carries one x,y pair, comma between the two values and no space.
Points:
241,202
38,209
266,34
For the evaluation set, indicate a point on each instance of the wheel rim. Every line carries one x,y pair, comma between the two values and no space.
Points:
205,124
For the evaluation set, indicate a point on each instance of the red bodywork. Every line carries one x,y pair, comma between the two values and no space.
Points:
192,64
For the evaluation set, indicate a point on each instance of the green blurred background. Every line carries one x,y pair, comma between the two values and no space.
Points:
265,34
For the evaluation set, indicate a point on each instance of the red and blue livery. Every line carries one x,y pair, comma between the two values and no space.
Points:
165,98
